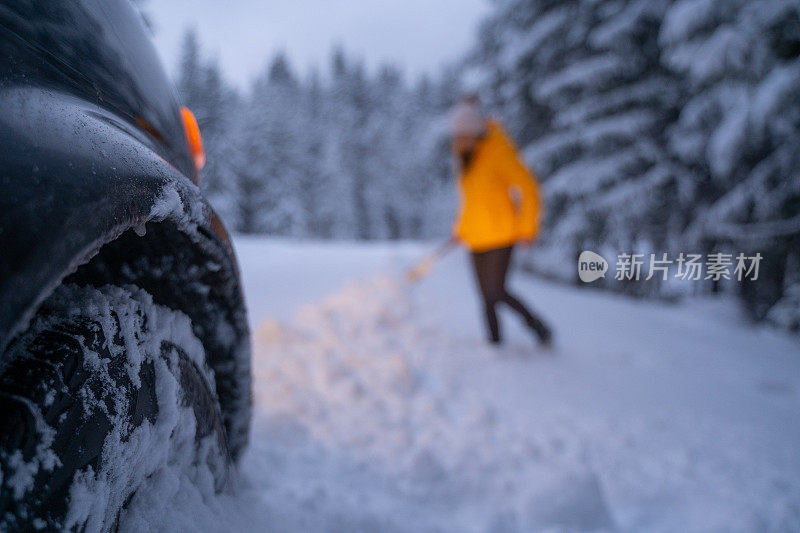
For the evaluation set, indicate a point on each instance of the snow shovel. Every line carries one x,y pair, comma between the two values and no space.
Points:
424,267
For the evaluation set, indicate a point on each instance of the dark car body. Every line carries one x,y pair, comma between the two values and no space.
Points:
97,182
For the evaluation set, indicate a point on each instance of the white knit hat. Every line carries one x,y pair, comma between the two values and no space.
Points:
467,118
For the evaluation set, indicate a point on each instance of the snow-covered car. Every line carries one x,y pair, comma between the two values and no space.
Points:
124,346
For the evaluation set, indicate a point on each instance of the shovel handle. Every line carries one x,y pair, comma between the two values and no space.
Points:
422,268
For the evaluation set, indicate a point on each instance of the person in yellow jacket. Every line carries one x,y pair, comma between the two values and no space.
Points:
500,207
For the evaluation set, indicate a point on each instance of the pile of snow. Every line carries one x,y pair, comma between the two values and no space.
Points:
363,434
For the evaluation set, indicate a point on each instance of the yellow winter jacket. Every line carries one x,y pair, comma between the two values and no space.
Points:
499,197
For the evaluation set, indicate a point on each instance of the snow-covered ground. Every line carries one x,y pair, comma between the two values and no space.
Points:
378,407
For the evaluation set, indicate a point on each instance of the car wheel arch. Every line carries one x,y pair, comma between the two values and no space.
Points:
78,189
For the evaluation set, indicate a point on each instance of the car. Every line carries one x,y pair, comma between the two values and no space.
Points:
124,344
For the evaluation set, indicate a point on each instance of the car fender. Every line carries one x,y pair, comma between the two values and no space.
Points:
72,179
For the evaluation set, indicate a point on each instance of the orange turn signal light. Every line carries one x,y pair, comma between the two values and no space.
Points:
193,139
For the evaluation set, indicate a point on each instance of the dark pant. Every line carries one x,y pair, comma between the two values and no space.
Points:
491,268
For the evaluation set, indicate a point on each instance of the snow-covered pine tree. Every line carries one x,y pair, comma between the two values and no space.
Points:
350,93
335,208
433,163
388,165
314,179
216,125
272,140
214,104
190,71
738,134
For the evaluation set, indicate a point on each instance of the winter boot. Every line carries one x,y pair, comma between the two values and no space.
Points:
544,333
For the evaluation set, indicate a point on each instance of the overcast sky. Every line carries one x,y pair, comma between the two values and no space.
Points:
418,35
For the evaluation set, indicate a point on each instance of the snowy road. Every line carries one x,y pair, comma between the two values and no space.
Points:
379,408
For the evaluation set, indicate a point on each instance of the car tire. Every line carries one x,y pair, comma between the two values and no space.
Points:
105,392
